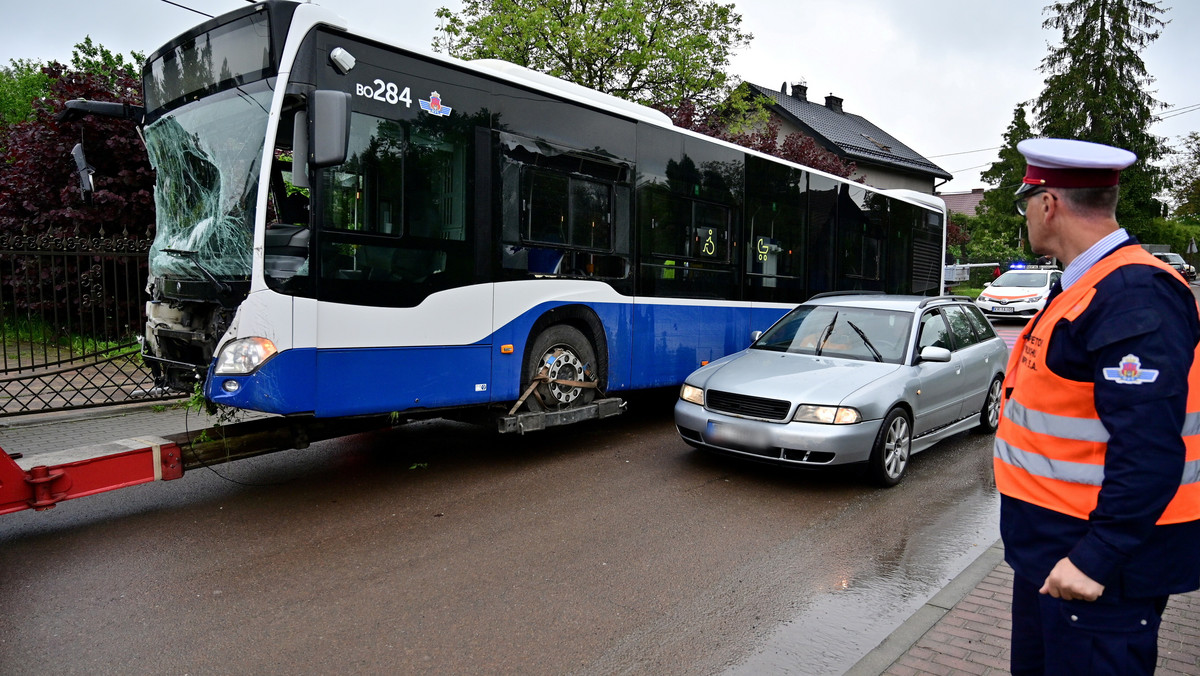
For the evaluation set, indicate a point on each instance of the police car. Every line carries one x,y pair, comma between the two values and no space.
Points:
1020,292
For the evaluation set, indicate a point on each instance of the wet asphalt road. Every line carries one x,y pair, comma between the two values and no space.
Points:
440,548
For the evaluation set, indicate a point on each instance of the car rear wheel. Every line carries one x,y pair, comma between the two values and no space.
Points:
989,416
889,456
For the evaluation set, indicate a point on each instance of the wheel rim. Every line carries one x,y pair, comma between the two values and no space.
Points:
895,448
993,411
560,363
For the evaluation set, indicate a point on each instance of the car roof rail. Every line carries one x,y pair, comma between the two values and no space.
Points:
848,292
947,299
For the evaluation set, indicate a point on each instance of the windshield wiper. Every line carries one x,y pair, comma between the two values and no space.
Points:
866,341
193,258
825,334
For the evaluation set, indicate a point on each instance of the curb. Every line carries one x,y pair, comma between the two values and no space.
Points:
907,634
90,413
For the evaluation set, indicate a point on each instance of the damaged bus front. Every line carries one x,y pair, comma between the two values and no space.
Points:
213,108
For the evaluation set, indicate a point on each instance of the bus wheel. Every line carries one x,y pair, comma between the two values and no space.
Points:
560,353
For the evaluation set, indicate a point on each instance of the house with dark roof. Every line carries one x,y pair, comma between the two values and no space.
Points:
963,202
882,160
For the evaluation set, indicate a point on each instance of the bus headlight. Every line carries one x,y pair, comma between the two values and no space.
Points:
244,355
692,394
828,415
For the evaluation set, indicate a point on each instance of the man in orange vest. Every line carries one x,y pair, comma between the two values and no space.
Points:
1097,457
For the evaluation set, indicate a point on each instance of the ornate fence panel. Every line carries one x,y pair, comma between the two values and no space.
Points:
71,309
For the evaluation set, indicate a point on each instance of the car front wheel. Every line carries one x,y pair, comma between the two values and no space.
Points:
889,456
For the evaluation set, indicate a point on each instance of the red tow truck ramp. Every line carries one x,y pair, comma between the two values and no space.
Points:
42,481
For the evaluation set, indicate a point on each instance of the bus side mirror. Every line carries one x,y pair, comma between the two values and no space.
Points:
300,149
86,187
329,120
77,109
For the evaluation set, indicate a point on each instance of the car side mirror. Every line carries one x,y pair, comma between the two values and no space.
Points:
755,335
986,284
935,353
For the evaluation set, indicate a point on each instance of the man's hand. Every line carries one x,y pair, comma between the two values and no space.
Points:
1071,584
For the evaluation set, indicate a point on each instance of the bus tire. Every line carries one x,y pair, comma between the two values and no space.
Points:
566,354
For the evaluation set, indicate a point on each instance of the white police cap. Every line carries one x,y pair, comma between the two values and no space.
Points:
1069,163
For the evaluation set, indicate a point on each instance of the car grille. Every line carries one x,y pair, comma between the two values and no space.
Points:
743,405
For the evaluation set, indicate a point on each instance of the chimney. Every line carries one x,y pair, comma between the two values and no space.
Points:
800,91
833,103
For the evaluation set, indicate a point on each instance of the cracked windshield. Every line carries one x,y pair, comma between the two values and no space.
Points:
207,157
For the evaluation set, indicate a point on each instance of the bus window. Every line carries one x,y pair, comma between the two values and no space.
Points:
394,216
561,211
546,211
591,214
710,225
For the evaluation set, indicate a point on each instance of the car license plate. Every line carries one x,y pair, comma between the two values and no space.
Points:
724,434
1001,308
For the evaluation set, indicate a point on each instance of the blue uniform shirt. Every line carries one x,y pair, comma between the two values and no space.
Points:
1144,311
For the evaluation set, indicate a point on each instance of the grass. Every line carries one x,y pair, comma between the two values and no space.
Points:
969,291
27,339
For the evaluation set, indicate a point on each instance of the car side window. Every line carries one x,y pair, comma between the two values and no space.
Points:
1054,277
934,332
983,328
964,332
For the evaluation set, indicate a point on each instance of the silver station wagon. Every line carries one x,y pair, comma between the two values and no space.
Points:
851,378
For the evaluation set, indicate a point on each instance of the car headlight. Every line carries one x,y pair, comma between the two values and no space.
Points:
692,394
828,415
244,355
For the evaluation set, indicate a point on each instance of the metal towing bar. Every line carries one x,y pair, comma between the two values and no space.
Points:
42,481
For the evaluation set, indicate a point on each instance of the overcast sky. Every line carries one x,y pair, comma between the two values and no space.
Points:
942,76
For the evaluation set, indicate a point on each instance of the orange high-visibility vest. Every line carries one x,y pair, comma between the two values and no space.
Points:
1050,445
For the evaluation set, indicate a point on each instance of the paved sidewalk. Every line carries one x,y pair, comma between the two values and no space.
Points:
963,629
38,433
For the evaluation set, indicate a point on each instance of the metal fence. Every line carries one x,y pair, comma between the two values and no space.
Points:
71,309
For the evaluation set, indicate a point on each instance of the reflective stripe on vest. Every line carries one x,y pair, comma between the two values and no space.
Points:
1050,446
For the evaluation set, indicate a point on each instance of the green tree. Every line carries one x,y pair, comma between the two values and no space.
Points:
655,52
1184,173
998,229
89,57
984,245
1006,173
21,81
24,81
1096,90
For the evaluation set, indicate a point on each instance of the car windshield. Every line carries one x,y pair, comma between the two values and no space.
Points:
207,156
867,334
1029,280
1173,259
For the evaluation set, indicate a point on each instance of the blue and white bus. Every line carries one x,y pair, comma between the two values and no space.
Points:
349,227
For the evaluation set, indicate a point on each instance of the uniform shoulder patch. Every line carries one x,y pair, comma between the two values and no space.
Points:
1130,372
